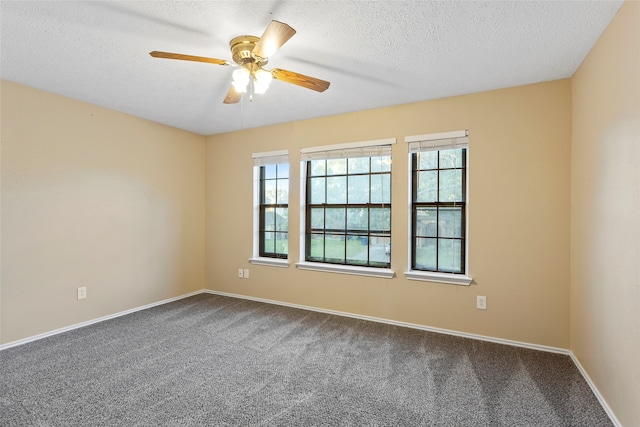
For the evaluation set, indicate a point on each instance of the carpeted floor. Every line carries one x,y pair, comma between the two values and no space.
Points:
213,360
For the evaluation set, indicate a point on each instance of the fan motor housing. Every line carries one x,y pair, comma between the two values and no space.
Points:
242,49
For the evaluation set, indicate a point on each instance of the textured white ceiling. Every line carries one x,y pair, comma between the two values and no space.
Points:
374,53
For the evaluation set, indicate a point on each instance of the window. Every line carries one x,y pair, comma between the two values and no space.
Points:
347,205
271,208
438,214
274,210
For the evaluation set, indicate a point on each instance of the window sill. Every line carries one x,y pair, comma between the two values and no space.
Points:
384,273
427,276
272,262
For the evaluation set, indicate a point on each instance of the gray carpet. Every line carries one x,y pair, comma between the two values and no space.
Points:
213,360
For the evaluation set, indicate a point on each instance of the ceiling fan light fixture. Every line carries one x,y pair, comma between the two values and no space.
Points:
241,80
262,80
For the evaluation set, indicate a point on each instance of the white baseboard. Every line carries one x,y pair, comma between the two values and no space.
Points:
91,322
595,391
398,323
575,360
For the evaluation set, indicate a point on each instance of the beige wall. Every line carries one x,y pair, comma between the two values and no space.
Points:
95,198
518,213
605,220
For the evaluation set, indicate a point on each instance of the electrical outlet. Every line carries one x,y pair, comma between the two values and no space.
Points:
82,292
240,273
481,302
246,273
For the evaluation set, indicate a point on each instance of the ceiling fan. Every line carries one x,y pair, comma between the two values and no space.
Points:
252,54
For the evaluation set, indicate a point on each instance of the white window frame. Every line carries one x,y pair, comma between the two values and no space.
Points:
335,151
259,160
438,141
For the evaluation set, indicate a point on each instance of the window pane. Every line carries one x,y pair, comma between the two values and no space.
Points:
381,219
427,160
451,185
335,219
283,170
359,165
449,255
269,171
357,219
427,190
450,222
317,218
269,219
283,192
269,242
337,189
317,190
381,188
381,164
317,246
334,248
426,225
357,250
358,189
269,196
318,167
451,158
336,166
282,243
282,219
426,253
380,251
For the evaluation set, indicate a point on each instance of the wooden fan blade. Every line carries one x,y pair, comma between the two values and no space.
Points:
300,79
170,55
276,34
232,97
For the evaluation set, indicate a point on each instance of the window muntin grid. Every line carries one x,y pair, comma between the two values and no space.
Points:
348,211
273,227
439,210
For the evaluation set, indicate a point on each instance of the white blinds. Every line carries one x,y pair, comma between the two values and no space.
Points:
380,147
438,141
271,158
